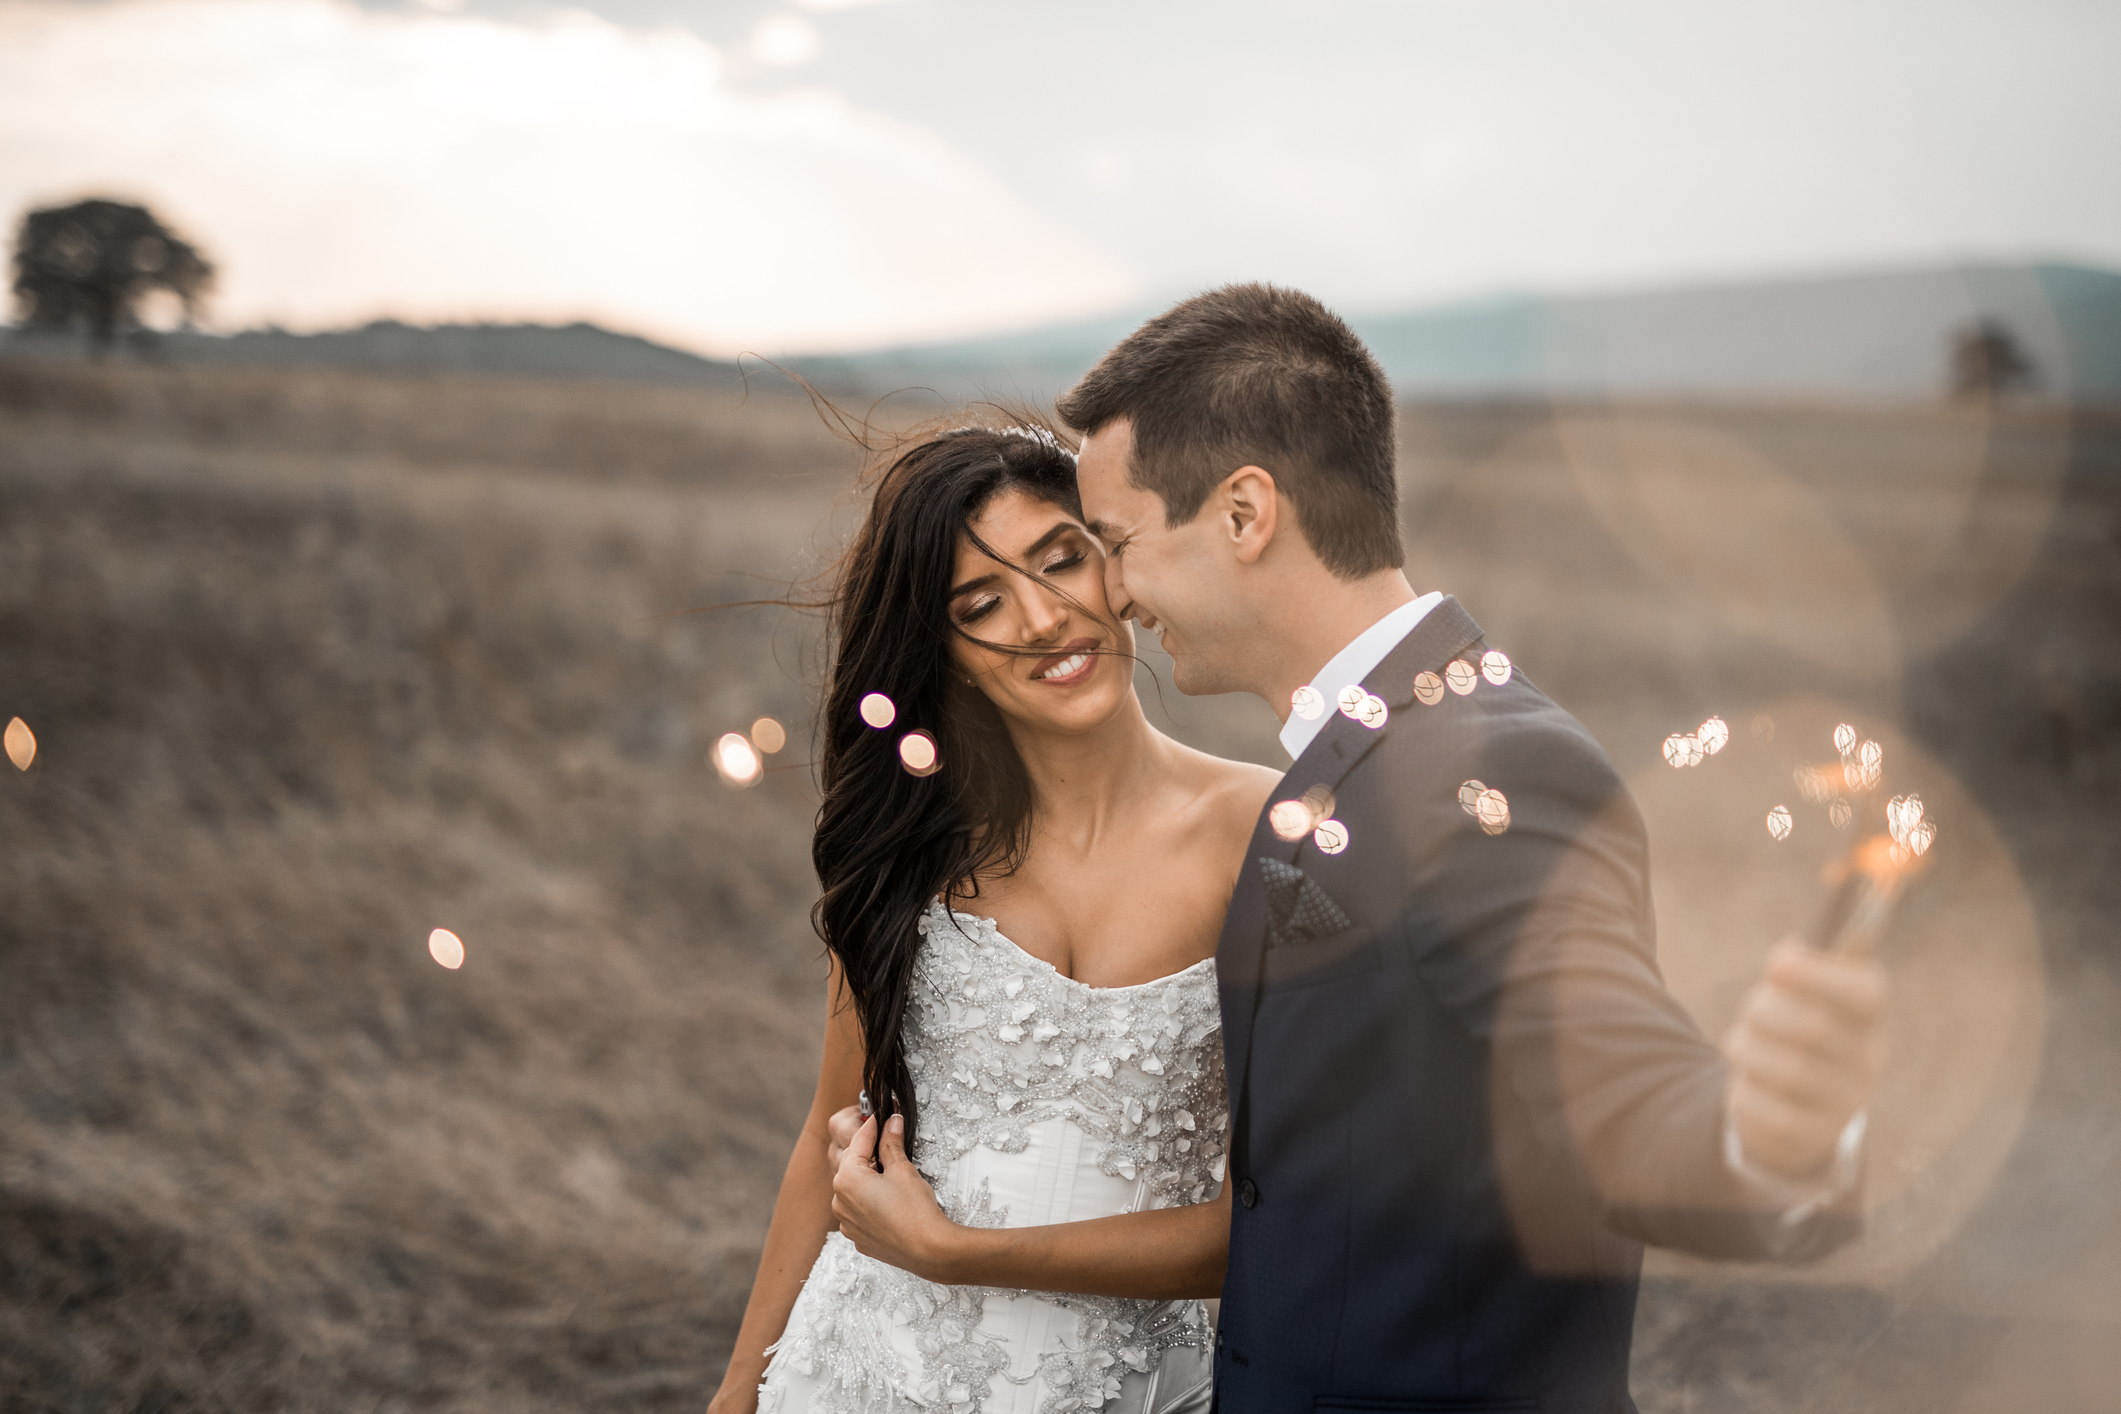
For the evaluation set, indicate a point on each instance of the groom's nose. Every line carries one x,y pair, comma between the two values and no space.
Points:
1116,589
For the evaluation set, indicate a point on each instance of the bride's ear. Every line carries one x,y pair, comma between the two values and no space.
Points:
1249,505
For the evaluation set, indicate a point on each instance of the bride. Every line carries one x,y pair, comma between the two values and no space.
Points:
1022,886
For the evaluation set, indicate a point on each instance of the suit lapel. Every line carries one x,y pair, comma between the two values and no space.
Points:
1240,955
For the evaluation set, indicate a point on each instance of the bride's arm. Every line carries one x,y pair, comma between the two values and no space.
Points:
1164,1254
802,1215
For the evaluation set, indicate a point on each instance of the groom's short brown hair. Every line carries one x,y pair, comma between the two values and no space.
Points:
1252,375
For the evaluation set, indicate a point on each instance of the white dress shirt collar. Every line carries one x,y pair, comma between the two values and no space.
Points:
1352,664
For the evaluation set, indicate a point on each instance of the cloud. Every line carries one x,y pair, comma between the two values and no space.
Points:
342,164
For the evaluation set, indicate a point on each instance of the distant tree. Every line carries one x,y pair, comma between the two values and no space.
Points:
1987,359
93,262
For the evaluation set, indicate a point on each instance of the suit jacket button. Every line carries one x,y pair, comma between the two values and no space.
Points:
1247,1193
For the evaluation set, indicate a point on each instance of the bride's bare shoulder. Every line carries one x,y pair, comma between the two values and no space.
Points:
1237,786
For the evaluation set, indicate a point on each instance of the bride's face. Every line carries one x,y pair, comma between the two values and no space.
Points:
1056,681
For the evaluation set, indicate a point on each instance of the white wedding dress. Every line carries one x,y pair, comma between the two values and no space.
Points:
1042,1100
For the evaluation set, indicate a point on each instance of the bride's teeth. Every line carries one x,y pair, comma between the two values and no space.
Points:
1071,664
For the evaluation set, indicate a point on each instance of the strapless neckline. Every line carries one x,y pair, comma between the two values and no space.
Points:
995,928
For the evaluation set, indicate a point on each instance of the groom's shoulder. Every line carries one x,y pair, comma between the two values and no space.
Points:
1510,733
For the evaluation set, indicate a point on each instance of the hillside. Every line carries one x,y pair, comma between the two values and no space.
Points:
1879,335
319,661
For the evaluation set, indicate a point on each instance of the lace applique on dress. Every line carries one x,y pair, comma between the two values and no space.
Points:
1000,1041
997,1042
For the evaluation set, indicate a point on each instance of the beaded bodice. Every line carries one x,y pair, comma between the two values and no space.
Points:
998,1041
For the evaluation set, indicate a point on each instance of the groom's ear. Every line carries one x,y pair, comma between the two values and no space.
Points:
1249,505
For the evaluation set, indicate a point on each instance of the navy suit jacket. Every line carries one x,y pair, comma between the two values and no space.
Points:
1457,1118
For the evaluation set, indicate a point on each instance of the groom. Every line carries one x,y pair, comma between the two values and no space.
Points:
1461,1096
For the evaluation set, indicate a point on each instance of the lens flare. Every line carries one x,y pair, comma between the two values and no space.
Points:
1428,689
1844,738
1492,810
1461,676
878,710
1763,728
21,744
1291,819
737,760
1469,796
446,948
1331,837
1495,666
1817,784
917,753
1780,823
1307,702
1373,712
1715,734
768,735
1351,699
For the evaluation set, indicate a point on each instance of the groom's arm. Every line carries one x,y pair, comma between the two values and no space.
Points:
1541,941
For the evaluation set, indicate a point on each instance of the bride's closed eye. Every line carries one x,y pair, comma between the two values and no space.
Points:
979,608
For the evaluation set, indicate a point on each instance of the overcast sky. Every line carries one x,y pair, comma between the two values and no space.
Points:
784,176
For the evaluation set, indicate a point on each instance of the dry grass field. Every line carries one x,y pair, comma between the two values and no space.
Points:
318,662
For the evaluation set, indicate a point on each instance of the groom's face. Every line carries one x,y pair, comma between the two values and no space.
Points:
1175,581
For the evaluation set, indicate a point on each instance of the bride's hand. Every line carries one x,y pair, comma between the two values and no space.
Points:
891,1215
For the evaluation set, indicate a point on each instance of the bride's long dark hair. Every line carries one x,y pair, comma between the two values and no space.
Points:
889,842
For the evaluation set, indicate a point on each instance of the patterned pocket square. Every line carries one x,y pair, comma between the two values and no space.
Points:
1298,911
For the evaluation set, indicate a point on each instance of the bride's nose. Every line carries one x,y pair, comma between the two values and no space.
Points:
1045,615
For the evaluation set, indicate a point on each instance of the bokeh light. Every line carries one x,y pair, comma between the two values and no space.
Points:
1492,809
1845,738
768,735
1715,734
1373,712
446,948
1682,750
1307,702
1428,688
1839,813
1351,699
1331,837
918,753
21,744
1290,819
737,760
1461,676
1495,666
1780,822
1763,728
1922,837
878,710
1469,796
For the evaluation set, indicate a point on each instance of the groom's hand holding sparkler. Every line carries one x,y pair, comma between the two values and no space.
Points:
1806,1053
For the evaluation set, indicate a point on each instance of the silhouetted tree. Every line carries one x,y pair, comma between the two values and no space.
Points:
91,264
1987,359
